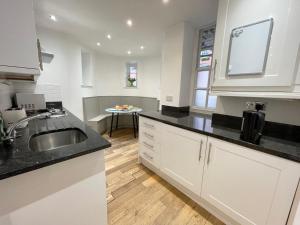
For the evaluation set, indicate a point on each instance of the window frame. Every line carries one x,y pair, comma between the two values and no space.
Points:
199,69
128,64
87,64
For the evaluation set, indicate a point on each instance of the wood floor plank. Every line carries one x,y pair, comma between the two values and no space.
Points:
185,215
137,196
122,190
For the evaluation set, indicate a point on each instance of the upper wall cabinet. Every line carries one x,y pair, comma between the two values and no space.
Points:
18,42
256,45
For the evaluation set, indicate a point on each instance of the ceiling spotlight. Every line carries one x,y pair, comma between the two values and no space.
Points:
108,36
129,52
98,44
129,22
53,18
165,1
142,47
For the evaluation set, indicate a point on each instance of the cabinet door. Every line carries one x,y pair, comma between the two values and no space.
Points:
282,58
250,186
18,45
182,156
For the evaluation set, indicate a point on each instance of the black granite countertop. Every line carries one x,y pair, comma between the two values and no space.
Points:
202,124
19,158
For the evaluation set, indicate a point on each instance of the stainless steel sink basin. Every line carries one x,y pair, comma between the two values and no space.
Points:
55,139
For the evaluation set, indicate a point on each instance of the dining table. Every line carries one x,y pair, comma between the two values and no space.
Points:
133,111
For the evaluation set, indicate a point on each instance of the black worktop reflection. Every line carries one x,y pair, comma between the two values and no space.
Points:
203,124
19,158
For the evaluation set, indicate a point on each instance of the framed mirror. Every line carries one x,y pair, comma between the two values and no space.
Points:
248,48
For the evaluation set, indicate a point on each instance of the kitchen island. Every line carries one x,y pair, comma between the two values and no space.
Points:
63,185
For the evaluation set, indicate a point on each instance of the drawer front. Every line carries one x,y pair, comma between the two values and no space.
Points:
148,124
150,152
149,156
148,144
148,135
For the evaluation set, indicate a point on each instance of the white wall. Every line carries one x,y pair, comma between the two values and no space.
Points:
187,64
62,78
171,65
282,111
65,69
177,61
111,75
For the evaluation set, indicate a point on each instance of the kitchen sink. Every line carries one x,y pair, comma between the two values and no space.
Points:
55,139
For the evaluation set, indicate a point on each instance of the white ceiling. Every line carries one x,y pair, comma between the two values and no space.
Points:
91,20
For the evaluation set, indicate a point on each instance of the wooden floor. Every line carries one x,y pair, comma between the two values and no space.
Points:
137,196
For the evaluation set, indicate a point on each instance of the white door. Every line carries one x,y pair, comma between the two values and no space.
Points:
182,156
18,45
250,186
282,58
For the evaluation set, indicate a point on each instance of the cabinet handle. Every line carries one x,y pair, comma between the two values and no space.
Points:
147,156
148,135
200,151
147,145
148,125
209,151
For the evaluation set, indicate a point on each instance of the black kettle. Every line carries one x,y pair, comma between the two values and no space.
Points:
253,124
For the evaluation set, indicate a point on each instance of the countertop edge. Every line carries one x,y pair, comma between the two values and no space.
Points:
52,162
238,142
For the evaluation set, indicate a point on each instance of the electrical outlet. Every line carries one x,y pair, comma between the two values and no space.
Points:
169,98
256,105
250,105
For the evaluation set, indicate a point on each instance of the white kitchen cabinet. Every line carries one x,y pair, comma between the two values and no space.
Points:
283,55
149,141
18,43
182,156
249,186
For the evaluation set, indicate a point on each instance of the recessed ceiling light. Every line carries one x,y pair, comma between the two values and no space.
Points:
108,36
142,47
165,1
53,18
129,52
129,22
98,44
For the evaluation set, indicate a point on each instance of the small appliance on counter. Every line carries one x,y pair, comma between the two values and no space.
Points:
56,108
13,115
253,123
31,102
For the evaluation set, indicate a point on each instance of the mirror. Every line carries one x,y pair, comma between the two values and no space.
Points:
248,48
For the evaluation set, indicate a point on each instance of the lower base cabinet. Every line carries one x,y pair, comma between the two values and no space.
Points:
182,157
248,186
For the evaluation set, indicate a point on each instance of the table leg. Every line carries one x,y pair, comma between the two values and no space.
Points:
136,122
133,123
117,124
111,124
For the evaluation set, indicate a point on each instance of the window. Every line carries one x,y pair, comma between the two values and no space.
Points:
131,75
86,66
202,98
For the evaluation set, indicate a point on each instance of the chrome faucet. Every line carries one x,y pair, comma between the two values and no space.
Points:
10,132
